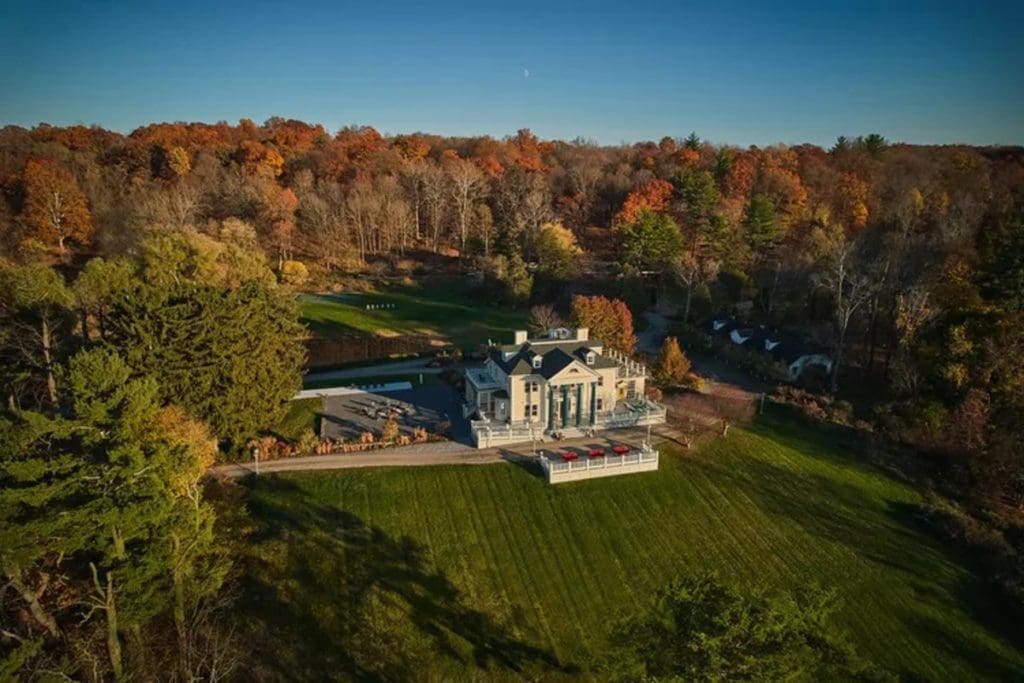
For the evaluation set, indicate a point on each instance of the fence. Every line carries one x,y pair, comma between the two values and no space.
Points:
326,352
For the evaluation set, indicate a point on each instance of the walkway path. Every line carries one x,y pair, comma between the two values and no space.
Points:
444,453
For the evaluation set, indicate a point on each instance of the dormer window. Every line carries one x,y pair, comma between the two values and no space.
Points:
590,357
536,362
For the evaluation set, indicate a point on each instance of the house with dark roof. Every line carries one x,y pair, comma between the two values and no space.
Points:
789,351
563,383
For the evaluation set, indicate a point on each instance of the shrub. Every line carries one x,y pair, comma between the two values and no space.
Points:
294,273
389,432
307,443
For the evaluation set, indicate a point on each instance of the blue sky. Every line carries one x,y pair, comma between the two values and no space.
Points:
742,73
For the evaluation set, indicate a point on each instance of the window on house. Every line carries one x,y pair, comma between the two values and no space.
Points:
531,411
590,357
537,361
600,404
600,381
532,387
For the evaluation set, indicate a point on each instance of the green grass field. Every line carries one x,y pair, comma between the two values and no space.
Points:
482,571
460,317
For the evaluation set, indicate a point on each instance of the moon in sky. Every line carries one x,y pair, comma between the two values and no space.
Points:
526,73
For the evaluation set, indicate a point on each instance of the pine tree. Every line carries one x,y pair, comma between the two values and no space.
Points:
101,519
231,357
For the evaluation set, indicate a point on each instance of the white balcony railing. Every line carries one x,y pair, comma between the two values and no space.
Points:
633,413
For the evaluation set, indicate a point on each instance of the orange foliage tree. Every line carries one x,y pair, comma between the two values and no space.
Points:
651,196
55,208
609,321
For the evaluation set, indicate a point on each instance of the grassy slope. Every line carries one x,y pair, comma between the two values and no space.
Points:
465,319
491,559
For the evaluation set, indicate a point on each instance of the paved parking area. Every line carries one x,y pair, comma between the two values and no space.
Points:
348,416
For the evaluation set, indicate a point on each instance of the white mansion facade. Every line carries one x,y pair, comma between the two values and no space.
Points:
562,384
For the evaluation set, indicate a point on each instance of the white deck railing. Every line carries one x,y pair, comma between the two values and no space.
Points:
557,471
487,433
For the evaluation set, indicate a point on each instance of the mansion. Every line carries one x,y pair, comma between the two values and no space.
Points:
563,384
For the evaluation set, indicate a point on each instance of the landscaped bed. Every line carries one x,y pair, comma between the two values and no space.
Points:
452,570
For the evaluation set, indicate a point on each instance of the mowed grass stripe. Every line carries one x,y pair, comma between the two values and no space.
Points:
777,506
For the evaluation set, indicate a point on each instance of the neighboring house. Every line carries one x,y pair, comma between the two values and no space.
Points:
789,351
564,383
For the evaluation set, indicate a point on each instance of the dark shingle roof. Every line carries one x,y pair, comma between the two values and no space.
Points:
556,356
789,347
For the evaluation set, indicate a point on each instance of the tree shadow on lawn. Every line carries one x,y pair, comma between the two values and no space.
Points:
319,581
895,535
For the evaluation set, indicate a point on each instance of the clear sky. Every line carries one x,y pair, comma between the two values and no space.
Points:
742,73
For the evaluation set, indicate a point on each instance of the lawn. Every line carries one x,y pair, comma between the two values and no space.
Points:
461,317
482,571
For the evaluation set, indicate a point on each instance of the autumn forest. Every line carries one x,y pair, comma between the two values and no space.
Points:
904,263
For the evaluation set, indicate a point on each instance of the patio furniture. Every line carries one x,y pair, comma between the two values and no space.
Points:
568,456
596,453
620,450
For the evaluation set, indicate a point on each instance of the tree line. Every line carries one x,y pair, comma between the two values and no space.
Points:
902,259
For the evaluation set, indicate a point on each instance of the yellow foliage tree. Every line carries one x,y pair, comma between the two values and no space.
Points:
673,366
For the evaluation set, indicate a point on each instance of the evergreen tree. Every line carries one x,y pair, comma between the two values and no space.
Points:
653,242
96,287
101,520
762,224
34,303
231,357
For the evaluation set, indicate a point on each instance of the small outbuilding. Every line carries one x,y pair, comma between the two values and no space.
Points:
787,349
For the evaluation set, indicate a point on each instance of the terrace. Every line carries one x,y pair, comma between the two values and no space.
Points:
566,466
638,412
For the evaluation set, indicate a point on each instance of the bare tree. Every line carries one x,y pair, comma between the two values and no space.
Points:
411,178
850,280
467,185
321,219
434,183
544,318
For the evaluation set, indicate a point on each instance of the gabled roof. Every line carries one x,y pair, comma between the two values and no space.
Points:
555,357
785,347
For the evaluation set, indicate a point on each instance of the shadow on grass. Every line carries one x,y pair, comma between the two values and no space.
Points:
893,534
328,596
